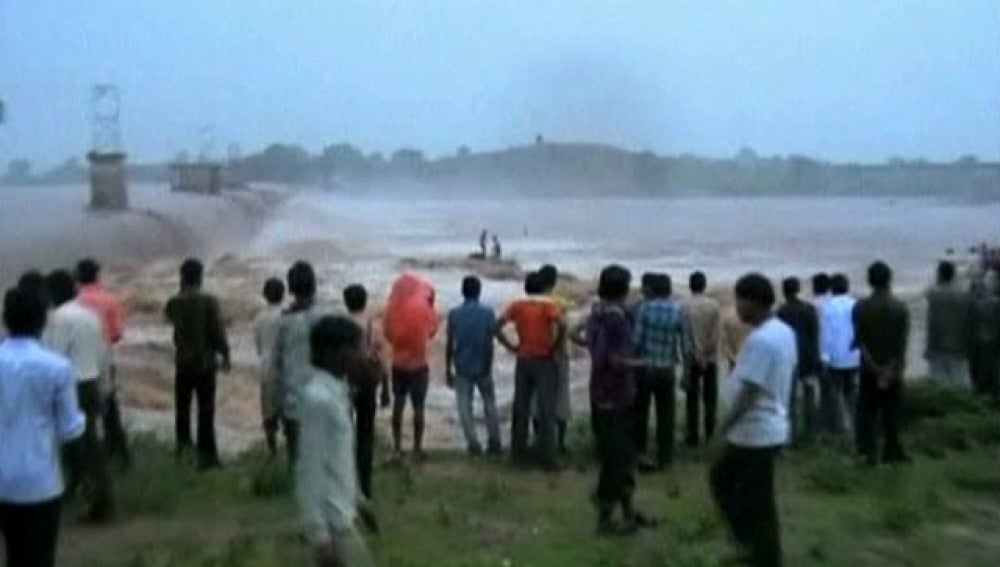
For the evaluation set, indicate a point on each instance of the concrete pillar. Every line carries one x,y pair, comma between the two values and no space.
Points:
107,181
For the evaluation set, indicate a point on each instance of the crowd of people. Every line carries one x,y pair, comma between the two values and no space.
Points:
831,366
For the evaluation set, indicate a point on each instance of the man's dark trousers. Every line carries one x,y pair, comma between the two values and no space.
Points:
742,482
86,459
365,406
535,376
656,384
30,532
702,388
197,382
875,402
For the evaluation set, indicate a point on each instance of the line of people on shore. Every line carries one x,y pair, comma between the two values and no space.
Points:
829,366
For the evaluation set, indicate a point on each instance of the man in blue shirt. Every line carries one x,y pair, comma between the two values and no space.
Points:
658,330
469,363
38,410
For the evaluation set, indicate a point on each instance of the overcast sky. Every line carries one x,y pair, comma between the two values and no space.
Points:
839,79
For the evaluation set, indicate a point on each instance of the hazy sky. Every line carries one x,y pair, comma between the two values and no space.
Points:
840,79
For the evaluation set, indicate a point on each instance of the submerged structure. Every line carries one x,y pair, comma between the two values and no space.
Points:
107,180
202,177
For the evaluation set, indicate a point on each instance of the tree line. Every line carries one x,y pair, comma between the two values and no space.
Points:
578,169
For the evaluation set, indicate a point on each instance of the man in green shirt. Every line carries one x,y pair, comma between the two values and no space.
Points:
200,341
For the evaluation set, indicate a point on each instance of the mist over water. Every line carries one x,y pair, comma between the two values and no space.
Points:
723,236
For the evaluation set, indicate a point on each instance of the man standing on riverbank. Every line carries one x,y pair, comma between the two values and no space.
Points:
803,318
607,334
200,341
564,405
38,412
839,385
948,329
756,425
292,362
410,324
881,329
469,365
701,343
265,336
984,357
540,328
371,374
93,295
76,333
657,339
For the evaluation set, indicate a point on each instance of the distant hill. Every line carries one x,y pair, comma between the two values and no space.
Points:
546,168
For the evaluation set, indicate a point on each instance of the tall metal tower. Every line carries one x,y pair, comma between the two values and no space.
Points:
107,160
105,114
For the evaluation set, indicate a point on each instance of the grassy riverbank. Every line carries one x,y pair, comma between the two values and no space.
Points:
943,509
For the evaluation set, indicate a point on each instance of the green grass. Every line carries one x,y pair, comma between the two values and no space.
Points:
943,509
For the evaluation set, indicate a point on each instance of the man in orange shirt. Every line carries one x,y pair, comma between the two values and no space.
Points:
540,330
410,324
94,296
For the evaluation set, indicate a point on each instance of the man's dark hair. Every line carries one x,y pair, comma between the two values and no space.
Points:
646,281
61,287
698,282
879,276
355,298
472,287
192,272
791,288
32,280
839,284
821,283
274,291
945,272
661,286
756,289
302,280
534,284
550,275
23,313
331,334
87,271
614,283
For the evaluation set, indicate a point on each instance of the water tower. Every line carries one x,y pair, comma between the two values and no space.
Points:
107,160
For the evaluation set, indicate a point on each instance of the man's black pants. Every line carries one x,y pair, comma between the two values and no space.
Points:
198,383
702,388
365,405
656,384
115,439
875,402
535,376
614,430
802,409
984,369
30,532
742,482
85,457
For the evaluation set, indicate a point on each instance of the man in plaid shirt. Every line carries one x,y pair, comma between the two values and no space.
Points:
657,339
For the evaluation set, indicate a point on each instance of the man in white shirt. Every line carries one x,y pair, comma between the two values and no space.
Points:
838,388
75,332
756,424
265,338
326,485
